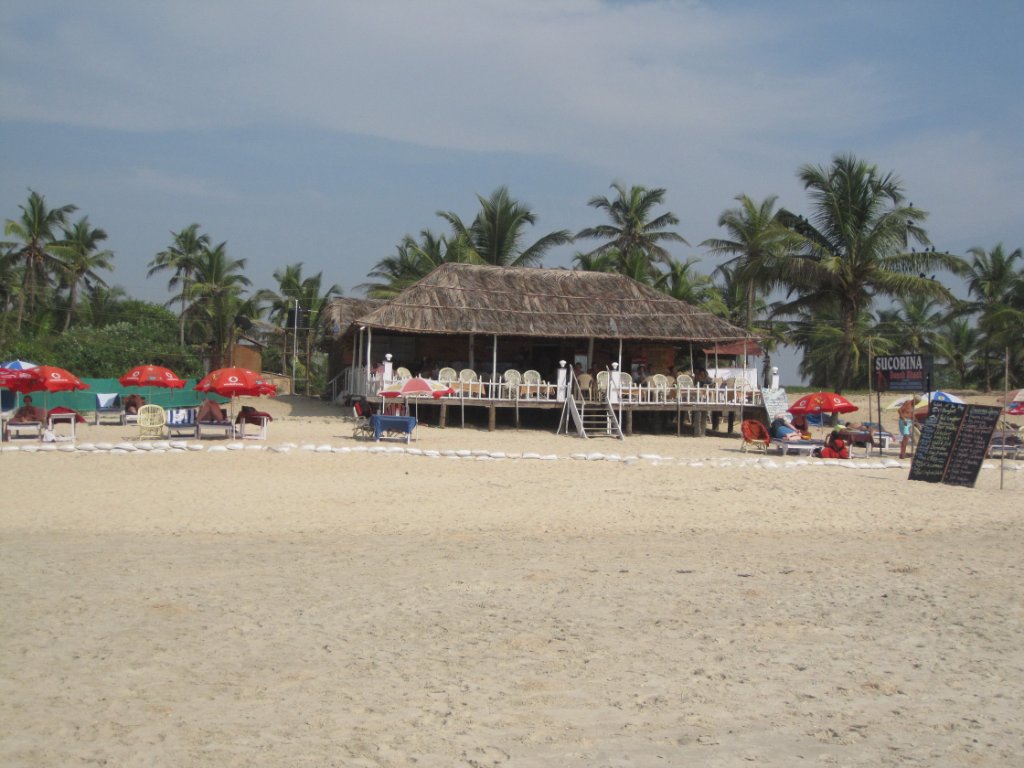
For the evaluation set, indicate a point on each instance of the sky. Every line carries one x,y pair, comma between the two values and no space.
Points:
323,132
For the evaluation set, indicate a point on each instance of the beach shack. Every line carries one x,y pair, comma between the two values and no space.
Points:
485,326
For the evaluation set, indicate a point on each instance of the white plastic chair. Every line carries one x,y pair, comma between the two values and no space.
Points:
531,380
512,379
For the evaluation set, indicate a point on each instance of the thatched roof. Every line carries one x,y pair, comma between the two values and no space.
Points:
341,312
552,303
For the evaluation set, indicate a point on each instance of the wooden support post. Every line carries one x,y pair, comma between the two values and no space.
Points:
732,420
700,425
491,418
629,422
443,418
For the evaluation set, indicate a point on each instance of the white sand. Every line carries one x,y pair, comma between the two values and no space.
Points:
382,608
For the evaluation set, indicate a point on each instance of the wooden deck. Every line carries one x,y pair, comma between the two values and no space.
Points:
697,416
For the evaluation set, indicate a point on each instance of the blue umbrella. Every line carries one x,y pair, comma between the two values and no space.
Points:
18,365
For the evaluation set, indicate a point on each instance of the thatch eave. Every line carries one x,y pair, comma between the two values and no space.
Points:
459,299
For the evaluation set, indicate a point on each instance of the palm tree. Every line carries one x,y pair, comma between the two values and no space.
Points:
216,299
915,323
308,295
414,261
102,304
496,234
957,345
632,231
854,248
36,229
181,257
756,238
80,260
681,282
992,279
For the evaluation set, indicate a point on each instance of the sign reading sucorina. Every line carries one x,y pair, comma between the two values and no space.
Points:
903,373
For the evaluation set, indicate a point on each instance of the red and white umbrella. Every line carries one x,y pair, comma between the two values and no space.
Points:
822,402
20,380
54,379
235,382
151,376
416,387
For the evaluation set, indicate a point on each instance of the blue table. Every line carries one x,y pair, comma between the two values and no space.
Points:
402,424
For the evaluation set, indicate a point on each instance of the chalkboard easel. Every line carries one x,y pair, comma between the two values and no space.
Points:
953,443
776,403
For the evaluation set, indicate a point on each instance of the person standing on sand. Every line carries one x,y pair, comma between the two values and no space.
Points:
906,414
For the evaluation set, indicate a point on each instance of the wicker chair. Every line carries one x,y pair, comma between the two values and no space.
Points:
402,373
447,375
467,375
152,422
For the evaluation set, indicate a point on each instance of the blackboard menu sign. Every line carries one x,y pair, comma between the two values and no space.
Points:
776,402
953,443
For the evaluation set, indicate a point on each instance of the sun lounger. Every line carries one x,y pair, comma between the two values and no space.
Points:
256,419
181,422
1006,445
214,429
25,429
804,447
108,405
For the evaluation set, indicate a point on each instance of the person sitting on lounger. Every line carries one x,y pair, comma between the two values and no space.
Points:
132,403
250,415
210,411
27,414
799,423
784,430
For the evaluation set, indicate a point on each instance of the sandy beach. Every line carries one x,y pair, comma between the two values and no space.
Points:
518,599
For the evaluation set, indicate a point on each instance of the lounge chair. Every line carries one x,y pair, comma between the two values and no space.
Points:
109,406
26,429
252,417
224,427
755,436
152,422
361,414
181,422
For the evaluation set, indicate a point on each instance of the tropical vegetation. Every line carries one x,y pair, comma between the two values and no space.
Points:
850,276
